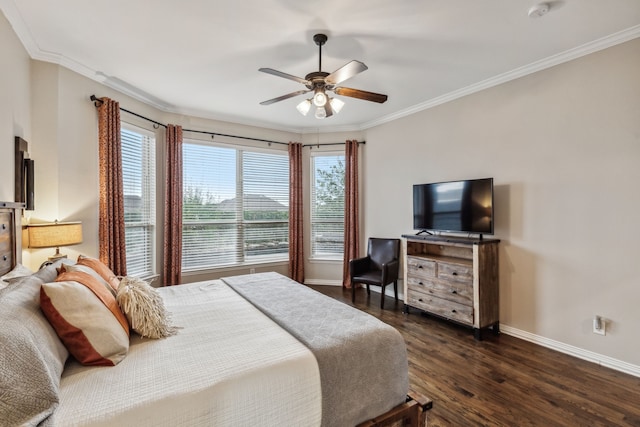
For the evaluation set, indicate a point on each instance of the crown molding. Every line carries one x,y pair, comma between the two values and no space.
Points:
551,61
22,31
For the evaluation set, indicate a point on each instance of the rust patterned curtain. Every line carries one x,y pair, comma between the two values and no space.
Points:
112,250
172,246
351,214
296,250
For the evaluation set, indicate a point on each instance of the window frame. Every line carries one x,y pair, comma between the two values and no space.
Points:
313,256
242,259
150,182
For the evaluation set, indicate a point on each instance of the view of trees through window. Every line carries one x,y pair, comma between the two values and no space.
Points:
235,206
327,210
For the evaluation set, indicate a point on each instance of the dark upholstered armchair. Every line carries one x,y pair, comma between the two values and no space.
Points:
380,267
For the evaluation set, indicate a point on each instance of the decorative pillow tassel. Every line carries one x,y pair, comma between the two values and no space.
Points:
144,308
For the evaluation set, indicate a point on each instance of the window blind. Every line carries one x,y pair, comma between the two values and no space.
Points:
139,185
235,206
327,206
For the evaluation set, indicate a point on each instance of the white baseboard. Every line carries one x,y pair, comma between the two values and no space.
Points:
602,360
323,282
590,356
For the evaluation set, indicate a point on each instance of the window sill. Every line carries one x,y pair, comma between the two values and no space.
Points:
325,260
234,268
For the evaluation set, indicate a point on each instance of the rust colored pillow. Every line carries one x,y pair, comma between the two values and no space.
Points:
86,317
101,269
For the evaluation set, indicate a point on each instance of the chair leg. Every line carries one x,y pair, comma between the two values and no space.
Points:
395,289
368,290
353,292
382,297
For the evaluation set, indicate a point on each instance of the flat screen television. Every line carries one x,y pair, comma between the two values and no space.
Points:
454,206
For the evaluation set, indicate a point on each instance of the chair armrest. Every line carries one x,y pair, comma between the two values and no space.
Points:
390,271
358,266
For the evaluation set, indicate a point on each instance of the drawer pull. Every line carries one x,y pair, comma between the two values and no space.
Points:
454,291
4,226
420,299
420,283
419,266
4,258
455,273
453,311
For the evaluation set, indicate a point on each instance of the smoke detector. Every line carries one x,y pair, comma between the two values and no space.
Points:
539,10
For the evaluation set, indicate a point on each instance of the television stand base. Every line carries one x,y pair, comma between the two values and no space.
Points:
424,232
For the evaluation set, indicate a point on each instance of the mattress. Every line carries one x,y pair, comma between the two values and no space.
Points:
229,365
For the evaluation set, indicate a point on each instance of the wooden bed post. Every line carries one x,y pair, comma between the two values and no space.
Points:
412,413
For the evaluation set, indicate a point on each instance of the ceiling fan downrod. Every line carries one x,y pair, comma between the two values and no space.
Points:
320,40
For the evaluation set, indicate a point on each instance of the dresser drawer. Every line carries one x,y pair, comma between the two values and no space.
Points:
452,291
455,272
449,309
420,267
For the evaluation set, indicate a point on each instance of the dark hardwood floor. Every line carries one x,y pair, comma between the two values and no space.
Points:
501,380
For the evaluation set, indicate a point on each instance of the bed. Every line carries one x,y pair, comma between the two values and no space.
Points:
250,350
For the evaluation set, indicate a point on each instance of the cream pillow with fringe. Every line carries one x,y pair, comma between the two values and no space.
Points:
144,308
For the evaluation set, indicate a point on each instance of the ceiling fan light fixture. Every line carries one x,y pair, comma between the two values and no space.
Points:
320,98
319,82
304,107
336,104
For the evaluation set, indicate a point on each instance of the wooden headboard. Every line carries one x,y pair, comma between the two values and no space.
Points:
10,235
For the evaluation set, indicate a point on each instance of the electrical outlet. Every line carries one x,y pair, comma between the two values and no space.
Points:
599,325
252,271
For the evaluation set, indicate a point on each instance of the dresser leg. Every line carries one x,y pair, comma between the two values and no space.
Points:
477,334
405,309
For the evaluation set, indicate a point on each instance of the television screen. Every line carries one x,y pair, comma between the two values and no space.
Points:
454,206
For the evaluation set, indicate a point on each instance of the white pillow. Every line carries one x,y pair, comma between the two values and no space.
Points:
86,317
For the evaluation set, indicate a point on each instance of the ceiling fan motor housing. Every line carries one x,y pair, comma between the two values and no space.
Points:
320,39
316,79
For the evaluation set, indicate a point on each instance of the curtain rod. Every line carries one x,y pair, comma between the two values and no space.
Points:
98,102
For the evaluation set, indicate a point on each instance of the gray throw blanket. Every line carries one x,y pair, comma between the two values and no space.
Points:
363,361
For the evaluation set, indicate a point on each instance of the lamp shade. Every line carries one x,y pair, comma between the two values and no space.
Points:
336,105
55,234
304,107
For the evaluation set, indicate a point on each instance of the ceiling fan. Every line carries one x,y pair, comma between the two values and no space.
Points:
320,82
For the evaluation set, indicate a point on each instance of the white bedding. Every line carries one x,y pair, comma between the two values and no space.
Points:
230,365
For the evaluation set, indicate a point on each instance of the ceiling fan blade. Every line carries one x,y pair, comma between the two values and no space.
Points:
283,97
285,75
360,94
345,72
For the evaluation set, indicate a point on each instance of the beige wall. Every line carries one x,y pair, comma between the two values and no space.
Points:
15,119
563,146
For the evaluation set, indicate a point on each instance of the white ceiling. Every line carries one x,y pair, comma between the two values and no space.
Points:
201,57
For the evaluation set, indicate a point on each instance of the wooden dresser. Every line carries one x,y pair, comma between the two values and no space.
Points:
454,278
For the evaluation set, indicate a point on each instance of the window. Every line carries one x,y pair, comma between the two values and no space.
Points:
235,206
327,206
139,185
